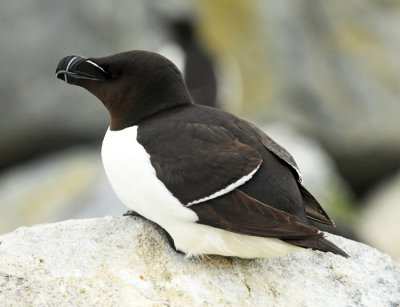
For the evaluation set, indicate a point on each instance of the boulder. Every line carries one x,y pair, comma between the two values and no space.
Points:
123,261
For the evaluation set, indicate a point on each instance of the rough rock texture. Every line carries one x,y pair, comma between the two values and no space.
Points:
120,261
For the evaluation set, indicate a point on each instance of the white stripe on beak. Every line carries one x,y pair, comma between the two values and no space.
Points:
69,64
94,64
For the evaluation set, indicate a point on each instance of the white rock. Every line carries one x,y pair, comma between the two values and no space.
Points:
120,261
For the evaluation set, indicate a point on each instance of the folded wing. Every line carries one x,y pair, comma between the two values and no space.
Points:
238,212
203,161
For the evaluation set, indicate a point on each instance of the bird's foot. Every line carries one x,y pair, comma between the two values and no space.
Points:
131,213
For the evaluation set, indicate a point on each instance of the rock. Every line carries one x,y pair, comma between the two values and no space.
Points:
123,261
379,221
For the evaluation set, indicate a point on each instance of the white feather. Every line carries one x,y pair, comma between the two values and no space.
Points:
129,170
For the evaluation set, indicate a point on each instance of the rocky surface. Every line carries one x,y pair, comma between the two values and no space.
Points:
126,262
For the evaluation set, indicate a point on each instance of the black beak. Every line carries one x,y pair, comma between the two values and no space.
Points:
74,68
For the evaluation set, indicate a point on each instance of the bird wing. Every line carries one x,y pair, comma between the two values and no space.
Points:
205,159
312,207
272,146
240,213
198,162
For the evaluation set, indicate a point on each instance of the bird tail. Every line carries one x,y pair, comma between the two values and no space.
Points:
317,243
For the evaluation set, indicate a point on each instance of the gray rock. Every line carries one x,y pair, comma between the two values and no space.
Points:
126,262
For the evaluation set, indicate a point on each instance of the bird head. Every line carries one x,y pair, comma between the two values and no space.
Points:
132,85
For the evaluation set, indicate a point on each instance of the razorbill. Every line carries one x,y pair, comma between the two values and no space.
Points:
216,183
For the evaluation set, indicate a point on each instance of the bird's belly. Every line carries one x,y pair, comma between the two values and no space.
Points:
134,180
197,239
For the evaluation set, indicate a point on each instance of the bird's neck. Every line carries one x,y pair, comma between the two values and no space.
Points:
139,108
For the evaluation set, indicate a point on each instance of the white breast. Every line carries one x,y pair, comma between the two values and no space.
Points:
134,180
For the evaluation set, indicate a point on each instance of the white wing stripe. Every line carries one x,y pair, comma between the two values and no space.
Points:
227,189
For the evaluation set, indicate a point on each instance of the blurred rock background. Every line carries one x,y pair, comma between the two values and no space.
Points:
322,78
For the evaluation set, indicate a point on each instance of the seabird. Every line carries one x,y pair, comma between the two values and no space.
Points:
214,182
